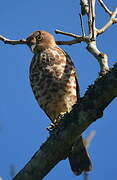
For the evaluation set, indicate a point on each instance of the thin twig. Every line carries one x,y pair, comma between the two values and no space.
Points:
105,7
12,42
87,39
74,41
57,31
111,21
82,26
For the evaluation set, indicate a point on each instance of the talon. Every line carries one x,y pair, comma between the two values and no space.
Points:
51,127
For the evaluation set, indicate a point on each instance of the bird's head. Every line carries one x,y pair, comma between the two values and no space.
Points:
40,40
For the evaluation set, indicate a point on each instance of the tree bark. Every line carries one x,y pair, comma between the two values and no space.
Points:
88,110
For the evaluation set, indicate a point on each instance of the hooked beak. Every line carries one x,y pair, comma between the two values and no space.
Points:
31,44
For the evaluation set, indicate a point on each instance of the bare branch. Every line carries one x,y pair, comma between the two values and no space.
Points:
78,39
114,20
110,22
74,41
91,20
92,48
105,7
12,42
93,33
89,108
84,7
57,31
93,37
101,57
82,26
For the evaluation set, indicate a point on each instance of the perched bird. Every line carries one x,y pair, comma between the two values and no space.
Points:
55,87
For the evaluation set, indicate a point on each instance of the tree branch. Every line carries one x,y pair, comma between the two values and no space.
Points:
93,35
90,40
88,110
91,47
12,42
112,20
100,56
57,31
57,146
78,39
84,7
105,7
74,41
82,25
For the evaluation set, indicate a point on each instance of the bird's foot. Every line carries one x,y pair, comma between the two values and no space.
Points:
51,127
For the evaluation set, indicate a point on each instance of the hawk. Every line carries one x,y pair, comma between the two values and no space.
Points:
55,87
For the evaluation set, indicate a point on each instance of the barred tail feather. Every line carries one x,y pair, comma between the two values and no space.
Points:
79,158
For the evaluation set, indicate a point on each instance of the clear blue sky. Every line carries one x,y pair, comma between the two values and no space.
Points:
22,123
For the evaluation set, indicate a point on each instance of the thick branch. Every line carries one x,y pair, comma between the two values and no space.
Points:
101,57
57,146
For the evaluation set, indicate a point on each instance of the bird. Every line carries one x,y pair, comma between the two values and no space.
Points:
55,86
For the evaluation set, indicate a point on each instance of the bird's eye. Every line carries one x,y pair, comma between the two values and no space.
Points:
39,37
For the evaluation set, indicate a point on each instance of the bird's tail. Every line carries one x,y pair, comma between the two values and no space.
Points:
79,158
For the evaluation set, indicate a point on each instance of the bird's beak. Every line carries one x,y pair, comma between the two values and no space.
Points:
31,44
30,41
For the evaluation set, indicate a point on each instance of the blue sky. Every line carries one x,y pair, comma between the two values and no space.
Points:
22,123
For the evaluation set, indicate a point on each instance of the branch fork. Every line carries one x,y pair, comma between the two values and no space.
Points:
83,113
87,8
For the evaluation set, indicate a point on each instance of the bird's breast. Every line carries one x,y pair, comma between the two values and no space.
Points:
53,81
